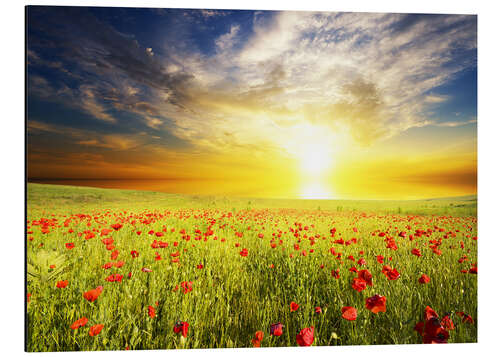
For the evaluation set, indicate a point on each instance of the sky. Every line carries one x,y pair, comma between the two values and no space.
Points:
281,104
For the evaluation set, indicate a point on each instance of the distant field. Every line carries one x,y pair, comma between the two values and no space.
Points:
55,197
231,267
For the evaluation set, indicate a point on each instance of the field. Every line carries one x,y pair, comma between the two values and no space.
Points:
116,269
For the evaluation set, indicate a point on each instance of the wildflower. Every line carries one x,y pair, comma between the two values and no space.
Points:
305,336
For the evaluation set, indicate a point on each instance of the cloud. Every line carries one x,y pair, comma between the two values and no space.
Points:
453,124
225,41
369,75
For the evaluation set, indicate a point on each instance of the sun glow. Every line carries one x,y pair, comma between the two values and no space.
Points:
315,159
316,191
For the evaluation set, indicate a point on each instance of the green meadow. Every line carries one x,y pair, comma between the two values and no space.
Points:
230,267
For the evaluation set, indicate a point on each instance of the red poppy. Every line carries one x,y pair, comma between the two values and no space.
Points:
108,241
366,276
391,274
465,317
116,226
429,313
358,284
151,311
119,264
376,303
114,254
199,266
336,273
70,245
187,286
431,330
362,261
114,277
79,323
276,329
318,310
306,336
95,330
259,336
181,326
447,323
349,313
293,306
416,252
424,279
62,284
92,295
134,253
244,252
380,259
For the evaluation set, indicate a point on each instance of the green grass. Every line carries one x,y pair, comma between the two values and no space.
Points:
235,296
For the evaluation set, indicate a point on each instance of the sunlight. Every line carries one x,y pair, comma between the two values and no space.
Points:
316,191
315,159
314,146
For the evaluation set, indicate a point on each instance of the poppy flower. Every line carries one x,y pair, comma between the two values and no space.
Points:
119,264
465,317
181,327
114,254
376,303
134,253
416,252
79,323
293,306
95,330
424,279
187,286
93,294
349,313
305,336
447,323
336,273
430,313
29,297
116,226
259,336
62,284
358,284
244,252
380,259
318,310
366,276
107,241
431,330
70,245
199,266
362,261
114,277
391,274
151,311
276,329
